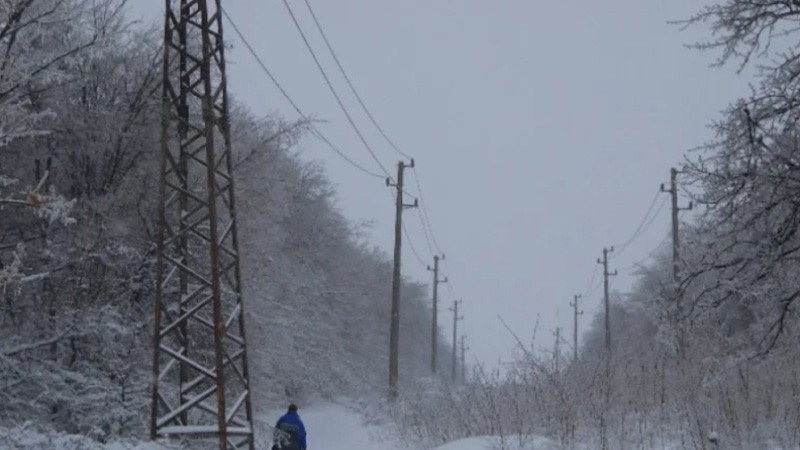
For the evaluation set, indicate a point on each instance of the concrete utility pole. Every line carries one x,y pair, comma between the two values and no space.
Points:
456,318
607,274
464,349
574,305
606,379
435,320
557,354
673,190
394,334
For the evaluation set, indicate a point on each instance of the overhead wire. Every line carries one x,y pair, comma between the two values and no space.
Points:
656,249
641,228
261,63
318,134
314,130
412,247
650,255
424,227
655,216
350,83
591,288
425,217
333,90
425,231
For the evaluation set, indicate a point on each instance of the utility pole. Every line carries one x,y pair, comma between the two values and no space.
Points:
673,190
607,274
557,354
201,387
464,349
456,318
607,378
394,334
574,305
434,322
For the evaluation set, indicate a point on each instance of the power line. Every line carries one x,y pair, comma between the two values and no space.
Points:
429,235
640,229
350,83
411,246
424,213
642,222
655,216
333,90
656,249
425,232
650,255
591,288
425,228
314,130
261,63
449,283
318,134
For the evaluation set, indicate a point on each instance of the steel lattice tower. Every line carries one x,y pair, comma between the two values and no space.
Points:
199,353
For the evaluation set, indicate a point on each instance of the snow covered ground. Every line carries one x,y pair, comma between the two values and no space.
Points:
334,427
27,437
495,443
330,427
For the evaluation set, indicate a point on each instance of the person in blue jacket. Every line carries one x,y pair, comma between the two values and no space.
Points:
290,432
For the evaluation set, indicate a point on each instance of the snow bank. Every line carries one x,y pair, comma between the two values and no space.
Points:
28,438
495,443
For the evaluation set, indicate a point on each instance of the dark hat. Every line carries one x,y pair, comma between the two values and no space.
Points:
292,407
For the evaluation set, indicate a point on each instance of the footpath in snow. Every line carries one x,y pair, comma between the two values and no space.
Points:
335,427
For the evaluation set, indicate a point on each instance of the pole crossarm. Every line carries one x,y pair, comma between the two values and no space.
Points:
199,337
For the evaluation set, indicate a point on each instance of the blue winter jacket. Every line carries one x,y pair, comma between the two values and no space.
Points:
291,420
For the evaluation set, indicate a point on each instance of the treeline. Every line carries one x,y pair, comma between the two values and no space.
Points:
80,112
713,359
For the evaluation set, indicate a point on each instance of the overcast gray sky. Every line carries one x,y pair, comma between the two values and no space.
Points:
541,133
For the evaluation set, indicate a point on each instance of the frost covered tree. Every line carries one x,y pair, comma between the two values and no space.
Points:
748,178
41,41
77,215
